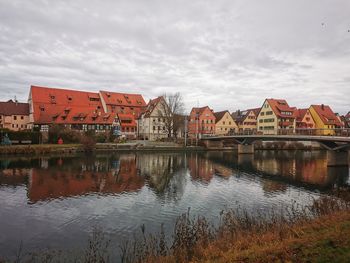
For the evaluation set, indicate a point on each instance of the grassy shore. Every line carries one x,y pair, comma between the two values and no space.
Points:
316,233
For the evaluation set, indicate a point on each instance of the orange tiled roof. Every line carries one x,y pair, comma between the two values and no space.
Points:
279,106
327,115
64,106
300,113
123,99
126,120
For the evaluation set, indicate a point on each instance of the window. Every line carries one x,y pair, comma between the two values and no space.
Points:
154,128
223,123
22,117
269,113
15,118
262,113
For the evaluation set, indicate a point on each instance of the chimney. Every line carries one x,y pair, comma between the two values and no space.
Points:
322,106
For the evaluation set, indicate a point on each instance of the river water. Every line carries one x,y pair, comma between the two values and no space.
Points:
55,202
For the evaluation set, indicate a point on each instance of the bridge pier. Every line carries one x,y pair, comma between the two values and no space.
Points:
337,158
245,149
213,144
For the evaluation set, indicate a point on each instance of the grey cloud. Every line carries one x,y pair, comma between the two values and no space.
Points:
227,54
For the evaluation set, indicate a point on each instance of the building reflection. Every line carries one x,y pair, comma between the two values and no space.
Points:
14,176
108,176
306,167
164,173
201,167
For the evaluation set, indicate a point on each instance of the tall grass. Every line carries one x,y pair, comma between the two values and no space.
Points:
193,235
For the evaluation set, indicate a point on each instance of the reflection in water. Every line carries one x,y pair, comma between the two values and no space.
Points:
56,201
73,176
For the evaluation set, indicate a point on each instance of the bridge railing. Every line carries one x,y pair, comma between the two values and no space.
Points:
342,132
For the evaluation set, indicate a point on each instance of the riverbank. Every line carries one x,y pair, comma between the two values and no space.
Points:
296,237
39,149
317,233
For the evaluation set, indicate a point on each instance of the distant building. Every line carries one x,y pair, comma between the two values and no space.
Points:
325,119
152,122
304,119
276,116
201,122
14,115
346,120
77,110
128,125
246,120
224,123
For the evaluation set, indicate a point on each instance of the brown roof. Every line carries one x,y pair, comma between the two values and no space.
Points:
10,107
326,115
240,116
219,115
199,110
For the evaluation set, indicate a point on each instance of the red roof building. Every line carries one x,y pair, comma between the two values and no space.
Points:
201,122
122,103
325,119
304,119
14,115
276,116
80,110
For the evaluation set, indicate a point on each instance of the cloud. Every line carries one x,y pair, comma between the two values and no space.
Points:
227,54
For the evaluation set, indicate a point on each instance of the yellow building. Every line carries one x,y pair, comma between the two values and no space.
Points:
325,120
14,115
276,117
246,120
224,123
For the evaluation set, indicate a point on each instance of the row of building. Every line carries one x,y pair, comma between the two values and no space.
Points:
275,116
130,116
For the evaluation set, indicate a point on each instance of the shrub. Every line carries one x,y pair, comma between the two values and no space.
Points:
67,135
88,143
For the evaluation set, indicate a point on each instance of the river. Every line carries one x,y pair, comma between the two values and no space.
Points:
55,202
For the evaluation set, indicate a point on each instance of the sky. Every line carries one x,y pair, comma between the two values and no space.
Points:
227,54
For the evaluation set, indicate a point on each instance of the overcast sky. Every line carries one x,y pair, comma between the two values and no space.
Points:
226,54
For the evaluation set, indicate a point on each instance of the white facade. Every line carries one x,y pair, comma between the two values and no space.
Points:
152,123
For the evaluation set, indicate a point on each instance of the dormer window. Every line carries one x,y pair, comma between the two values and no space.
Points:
138,102
42,108
119,101
69,98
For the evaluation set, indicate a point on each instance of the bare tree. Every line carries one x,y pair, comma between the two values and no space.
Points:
171,108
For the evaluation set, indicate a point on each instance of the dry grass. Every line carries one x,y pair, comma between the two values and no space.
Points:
316,233
293,234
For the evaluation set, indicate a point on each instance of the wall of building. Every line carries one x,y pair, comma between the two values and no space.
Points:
15,122
204,125
328,129
153,128
249,123
225,125
267,120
